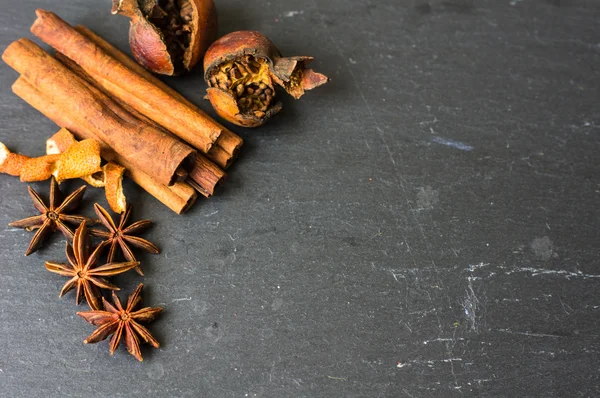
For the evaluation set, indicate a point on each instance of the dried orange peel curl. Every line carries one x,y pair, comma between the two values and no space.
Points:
110,176
65,159
28,169
39,169
113,177
11,163
59,142
81,160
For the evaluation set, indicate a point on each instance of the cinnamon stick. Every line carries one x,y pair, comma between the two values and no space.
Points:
205,175
227,146
138,143
179,197
196,129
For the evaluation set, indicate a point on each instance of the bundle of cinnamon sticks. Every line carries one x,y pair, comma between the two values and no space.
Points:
169,147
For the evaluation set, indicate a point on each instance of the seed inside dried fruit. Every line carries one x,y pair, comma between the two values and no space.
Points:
247,79
242,70
169,36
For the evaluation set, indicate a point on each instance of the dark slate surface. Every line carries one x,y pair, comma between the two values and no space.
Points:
424,226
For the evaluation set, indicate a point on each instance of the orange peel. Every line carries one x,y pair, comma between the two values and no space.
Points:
96,180
65,159
110,176
113,177
79,160
11,163
59,142
39,169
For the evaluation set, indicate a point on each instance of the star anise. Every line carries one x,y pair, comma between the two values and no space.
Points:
52,217
121,236
117,321
83,271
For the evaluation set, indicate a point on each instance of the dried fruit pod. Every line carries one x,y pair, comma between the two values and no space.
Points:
242,69
169,36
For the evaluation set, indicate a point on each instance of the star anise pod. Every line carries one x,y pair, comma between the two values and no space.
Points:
120,321
121,236
52,217
83,271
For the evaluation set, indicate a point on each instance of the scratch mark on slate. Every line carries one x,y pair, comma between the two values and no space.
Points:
359,90
471,306
532,270
407,393
554,336
271,373
381,133
565,306
396,276
291,14
473,267
429,362
543,271
443,339
452,143
471,302
182,299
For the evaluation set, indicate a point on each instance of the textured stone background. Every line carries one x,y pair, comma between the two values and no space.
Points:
425,225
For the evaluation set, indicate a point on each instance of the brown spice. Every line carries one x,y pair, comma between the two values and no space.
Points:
82,269
195,128
179,197
242,69
204,176
126,135
122,237
169,36
123,323
244,81
224,151
53,217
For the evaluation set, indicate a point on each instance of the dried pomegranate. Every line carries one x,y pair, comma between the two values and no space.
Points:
242,70
169,36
